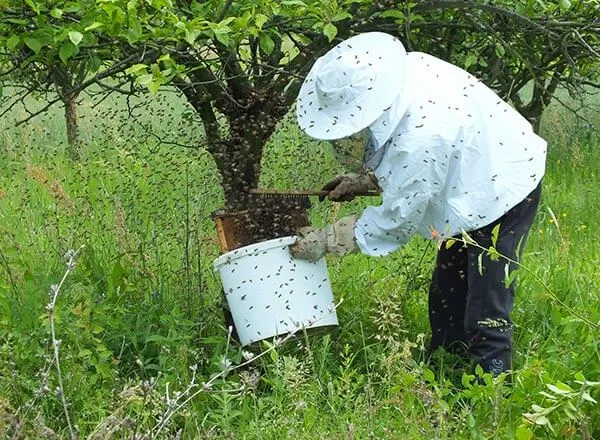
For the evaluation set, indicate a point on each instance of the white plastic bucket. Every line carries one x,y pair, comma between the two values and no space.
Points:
270,293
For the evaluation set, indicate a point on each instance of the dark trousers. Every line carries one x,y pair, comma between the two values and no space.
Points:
469,301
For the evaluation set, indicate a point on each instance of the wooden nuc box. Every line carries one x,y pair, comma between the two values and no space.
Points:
268,217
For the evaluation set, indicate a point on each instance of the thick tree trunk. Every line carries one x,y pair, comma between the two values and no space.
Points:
238,157
70,104
240,165
237,181
536,122
251,121
533,112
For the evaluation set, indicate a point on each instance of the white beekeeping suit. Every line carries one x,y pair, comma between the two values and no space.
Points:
447,152
448,155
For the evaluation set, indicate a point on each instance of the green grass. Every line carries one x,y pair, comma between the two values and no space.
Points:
143,304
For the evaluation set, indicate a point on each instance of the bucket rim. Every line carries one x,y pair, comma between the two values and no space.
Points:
253,249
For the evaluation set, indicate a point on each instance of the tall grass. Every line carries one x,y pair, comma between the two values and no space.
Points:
142,308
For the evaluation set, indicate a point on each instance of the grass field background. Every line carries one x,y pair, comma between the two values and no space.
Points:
142,307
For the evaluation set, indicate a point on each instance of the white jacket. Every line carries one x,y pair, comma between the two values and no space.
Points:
449,155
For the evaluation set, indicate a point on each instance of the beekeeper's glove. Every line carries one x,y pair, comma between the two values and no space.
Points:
337,239
345,186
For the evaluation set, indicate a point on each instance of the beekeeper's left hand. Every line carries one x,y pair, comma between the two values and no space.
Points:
338,239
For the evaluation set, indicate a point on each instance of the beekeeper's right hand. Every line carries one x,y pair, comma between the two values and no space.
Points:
345,187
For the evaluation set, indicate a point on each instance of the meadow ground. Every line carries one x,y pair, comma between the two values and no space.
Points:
140,321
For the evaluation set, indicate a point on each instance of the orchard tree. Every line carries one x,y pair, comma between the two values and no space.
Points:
235,62
42,56
523,49
240,63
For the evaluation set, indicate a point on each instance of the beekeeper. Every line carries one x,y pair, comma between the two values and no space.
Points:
448,155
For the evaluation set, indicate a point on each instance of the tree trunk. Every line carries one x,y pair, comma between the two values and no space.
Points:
536,122
240,168
70,103
533,112
239,158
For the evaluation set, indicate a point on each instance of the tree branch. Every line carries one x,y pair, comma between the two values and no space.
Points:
118,67
200,101
117,88
300,65
39,112
224,10
16,101
487,7
236,80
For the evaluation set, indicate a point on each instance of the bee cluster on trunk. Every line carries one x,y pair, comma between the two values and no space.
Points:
266,218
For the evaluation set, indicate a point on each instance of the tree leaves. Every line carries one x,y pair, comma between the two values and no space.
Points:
393,13
34,44
260,20
56,13
67,51
13,42
33,5
60,31
136,68
330,31
221,33
470,60
564,5
75,37
95,25
499,49
266,43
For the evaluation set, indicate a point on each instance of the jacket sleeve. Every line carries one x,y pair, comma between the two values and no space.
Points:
412,175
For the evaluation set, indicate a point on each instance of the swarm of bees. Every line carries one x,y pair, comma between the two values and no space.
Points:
267,217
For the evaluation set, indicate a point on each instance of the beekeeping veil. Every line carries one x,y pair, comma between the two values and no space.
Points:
359,83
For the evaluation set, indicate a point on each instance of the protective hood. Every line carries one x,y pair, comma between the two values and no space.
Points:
357,84
383,128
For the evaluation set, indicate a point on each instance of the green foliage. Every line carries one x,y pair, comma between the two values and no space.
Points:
566,406
133,321
507,44
93,33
